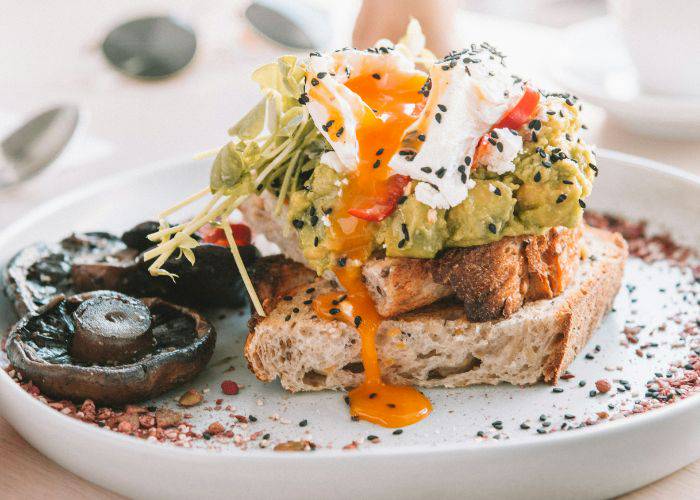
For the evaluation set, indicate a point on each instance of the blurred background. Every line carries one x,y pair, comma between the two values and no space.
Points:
69,54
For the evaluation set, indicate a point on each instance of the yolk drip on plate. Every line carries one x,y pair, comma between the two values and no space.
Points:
393,102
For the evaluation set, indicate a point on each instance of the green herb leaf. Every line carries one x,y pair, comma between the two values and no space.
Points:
250,126
227,169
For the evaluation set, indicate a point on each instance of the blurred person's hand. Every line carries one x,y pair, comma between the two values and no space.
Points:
389,18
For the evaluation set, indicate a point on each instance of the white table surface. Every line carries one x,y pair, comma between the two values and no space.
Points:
50,54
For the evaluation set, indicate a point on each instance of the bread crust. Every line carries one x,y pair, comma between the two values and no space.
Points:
438,345
493,280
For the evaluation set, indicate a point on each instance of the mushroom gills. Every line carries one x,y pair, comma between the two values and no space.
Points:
109,347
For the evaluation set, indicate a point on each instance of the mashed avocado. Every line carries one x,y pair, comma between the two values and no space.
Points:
553,174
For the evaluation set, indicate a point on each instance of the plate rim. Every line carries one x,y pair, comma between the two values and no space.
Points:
109,438
686,106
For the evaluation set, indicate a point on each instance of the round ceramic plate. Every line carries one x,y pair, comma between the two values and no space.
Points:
457,451
594,64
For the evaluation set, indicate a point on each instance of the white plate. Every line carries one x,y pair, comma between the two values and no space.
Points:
441,455
593,63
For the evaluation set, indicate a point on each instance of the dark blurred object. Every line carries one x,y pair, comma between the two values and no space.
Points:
289,24
150,47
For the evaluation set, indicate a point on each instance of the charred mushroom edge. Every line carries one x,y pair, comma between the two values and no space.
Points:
116,385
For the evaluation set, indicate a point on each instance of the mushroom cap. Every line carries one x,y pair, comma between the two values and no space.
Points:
38,346
39,272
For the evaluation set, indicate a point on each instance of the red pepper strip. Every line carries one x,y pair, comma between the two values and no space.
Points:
513,119
216,236
383,208
520,114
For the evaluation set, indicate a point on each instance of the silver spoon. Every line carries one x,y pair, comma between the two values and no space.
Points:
291,24
150,47
36,144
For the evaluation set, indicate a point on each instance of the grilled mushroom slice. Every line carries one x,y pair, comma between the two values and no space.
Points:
41,271
110,347
213,280
102,261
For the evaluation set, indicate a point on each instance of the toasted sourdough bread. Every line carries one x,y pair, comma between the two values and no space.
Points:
493,280
435,345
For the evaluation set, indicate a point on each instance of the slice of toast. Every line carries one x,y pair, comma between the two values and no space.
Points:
435,345
493,280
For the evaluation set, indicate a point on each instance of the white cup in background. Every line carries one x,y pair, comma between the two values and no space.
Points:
663,39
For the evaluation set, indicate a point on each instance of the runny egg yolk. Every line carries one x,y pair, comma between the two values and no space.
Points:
393,102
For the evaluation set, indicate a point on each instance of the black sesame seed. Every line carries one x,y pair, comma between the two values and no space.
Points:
497,192
581,203
334,310
355,418
567,182
252,418
438,117
561,198
376,76
376,164
342,261
401,199
321,75
541,431
303,423
358,321
295,310
404,230
427,170
380,151
524,426
314,82
340,132
538,177
372,438
288,317
391,405
467,160
581,383
401,244
287,298
492,228
499,147
298,223
593,393
310,290
558,390
534,137
313,220
464,178
397,432
440,172
442,107
308,302
421,137
372,395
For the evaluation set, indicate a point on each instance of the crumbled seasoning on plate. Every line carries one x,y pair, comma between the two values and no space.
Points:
676,381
